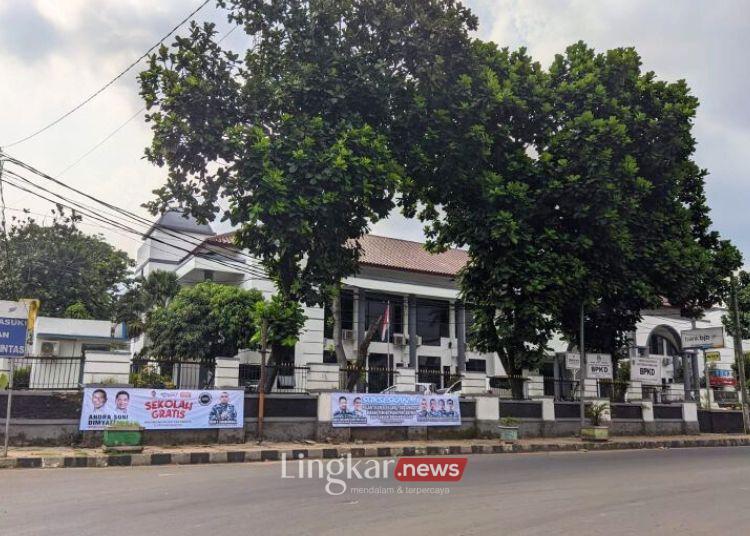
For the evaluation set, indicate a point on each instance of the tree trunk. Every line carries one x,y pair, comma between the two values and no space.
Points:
280,354
362,350
513,373
337,344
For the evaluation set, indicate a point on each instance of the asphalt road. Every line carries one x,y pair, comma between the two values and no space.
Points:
686,491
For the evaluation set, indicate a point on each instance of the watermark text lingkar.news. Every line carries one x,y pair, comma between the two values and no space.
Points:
341,474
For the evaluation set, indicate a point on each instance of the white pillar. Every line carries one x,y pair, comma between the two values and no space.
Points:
487,408
323,377
109,367
406,380
474,383
227,372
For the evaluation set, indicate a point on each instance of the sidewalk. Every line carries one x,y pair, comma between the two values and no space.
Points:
55,457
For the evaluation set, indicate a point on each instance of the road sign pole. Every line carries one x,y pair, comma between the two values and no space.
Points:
739,356
582,402
708,380
8,408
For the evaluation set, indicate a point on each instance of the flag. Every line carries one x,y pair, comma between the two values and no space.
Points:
386,322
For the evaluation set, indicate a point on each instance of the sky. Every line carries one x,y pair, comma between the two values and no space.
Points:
55,53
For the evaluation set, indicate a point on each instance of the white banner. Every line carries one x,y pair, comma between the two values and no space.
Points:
646,370
572,361
363,409
161,409
599,366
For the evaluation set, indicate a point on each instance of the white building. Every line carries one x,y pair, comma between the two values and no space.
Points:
428,321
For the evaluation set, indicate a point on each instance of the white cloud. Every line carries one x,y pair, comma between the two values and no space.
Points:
55,53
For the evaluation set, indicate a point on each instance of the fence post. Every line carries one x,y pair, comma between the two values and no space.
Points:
406,380
647,414
99,367
474,383
227,372
690,418
323,377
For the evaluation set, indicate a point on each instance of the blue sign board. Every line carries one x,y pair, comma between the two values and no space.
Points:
12,337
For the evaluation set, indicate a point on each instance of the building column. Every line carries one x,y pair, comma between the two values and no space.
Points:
460,336
361,318
412,331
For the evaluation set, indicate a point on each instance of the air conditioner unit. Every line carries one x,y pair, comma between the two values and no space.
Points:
399,339
50,349
347,335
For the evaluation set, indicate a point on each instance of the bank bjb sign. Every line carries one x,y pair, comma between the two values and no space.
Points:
599,366
703,338
646,369
13,324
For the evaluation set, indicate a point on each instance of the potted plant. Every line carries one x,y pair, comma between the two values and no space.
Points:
123,436
509,429
597,431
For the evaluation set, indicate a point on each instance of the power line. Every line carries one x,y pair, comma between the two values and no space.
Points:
102,142
128,214
91,213
108,84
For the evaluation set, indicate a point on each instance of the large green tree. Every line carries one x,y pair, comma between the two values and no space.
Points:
743,306
202,322
142,295
294,134
568,186
70,272
627,196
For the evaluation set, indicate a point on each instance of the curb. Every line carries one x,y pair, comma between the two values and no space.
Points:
246,456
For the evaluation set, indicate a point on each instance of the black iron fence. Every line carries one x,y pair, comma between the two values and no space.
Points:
283,377
562,390
366,379
170,374
44,373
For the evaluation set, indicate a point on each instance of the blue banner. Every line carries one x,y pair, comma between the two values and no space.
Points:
12,337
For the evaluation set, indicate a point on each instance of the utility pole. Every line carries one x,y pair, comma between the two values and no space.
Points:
262,392
582,350
739,357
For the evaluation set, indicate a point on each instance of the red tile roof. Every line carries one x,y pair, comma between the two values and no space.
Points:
394,254
409,256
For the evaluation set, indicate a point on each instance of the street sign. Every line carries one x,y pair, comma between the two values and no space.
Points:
572,361
703,338
646,370
599,366
13,324
713,356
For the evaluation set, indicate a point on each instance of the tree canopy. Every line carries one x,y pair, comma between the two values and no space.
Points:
71,273
142,295
202,322
294,134
572,185
569,186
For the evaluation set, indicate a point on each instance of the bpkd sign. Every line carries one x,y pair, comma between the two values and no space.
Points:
599,366
646,370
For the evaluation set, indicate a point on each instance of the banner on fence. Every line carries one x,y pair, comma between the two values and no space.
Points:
646,370
363,409
161,409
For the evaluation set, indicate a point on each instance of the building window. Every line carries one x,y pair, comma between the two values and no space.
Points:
432,321
476,365
347,314
658,345
375,307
